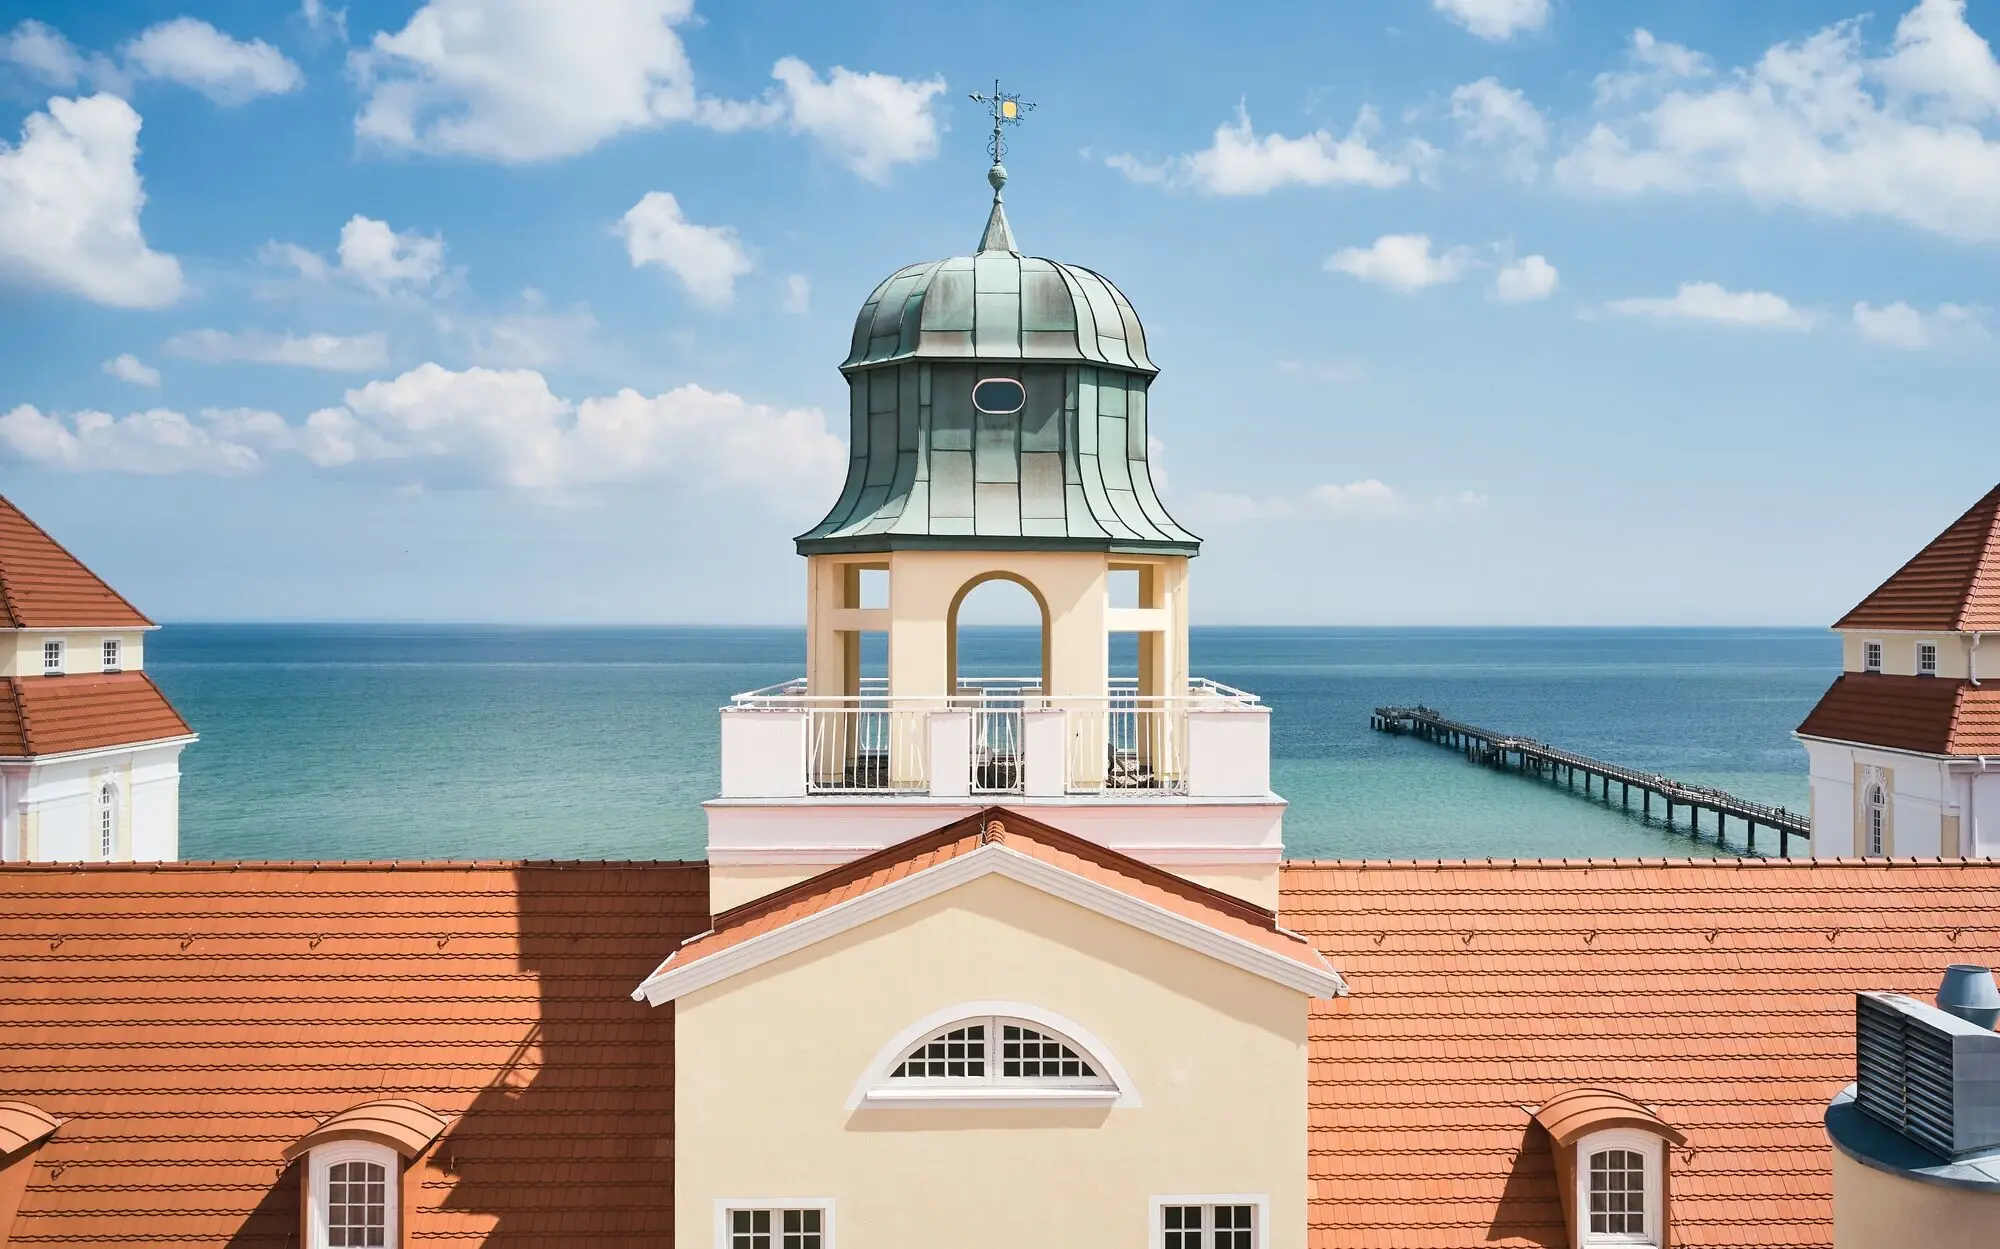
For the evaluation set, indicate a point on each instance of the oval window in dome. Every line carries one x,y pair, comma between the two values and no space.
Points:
999,396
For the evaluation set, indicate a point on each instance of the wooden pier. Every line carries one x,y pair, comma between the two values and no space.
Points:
1532,758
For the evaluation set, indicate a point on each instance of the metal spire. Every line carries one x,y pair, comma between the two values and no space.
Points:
1006,109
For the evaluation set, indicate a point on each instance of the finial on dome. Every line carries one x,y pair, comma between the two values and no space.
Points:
1007,110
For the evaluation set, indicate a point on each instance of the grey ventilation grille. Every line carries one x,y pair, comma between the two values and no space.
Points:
1926,1073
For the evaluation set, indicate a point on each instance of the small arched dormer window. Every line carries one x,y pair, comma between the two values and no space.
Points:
993,1054
1877,814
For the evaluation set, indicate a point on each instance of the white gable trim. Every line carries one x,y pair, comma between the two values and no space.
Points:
994,858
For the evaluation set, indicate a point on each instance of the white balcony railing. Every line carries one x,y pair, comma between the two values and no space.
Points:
996,736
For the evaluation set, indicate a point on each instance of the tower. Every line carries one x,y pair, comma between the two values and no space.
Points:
1000,410
89,747
1905,745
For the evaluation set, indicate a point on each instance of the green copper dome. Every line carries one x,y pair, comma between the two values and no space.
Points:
1051,456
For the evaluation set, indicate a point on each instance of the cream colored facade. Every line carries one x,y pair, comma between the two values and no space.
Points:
770,1062
1874,1209
21,650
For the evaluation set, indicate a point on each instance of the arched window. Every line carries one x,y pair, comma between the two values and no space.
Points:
357,1203
998,1050
993,1054
1878,821
107,820
1620,1189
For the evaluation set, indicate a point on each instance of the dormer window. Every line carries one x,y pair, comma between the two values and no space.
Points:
52,657
1927,659
111,654
1871,656
1611,1160
354,1169
1024,1057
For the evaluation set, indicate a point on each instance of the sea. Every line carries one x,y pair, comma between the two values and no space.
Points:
346,741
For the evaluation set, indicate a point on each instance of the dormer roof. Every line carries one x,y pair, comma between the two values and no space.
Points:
1952,585
43,586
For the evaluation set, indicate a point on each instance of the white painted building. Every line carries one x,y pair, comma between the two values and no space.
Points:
998,433
89,747
1905,746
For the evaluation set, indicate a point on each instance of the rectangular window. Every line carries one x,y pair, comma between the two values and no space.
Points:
52,657
1871,656
111,655
801,1227
1927,659
1208,1223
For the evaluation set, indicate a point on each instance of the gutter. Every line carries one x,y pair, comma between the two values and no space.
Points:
1972,660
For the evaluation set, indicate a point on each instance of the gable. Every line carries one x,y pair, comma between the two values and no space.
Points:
1088,876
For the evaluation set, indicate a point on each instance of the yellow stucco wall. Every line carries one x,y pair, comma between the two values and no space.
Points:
1875,1210
21,652
766,1062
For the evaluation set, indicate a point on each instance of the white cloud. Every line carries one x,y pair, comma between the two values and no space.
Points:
507,427
154,442
1900,325
798,294
706,259
1240,162
1502,118
1524,280
70,196
321,20
332,352
531,335
1705,301
1815,124
524,80
41,51
197,55
1401,262
870,122
1368,499
306,262
1495,19
384,261
129,368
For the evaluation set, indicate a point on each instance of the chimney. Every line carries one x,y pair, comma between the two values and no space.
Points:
1930,1074
1968,991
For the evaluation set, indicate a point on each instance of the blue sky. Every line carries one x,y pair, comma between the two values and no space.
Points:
1469,311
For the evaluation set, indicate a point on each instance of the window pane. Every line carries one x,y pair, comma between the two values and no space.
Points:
357,1204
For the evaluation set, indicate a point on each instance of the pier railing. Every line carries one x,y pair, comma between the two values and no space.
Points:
1528,756
996,736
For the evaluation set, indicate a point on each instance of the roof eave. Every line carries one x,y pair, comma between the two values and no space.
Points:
877,543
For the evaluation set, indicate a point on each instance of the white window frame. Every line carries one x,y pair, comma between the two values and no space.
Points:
877,1089
1927,651
107,805
111,655
54,648
1260,1221
1649,1147
724,1206
1874,837
322,1161
1871,655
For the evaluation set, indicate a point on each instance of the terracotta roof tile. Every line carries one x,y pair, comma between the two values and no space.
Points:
1929,715
188,1022
1952,585
1016,832
43,586
1717,992
50,715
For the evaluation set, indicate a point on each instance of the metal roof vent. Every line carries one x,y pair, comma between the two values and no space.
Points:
1968,991
1927,1073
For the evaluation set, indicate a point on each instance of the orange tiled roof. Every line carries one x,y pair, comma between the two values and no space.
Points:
1222,911
1720,992
51,715
187,1022
43,586
1952,585
1929,715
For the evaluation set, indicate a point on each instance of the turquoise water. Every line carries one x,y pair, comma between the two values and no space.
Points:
346,741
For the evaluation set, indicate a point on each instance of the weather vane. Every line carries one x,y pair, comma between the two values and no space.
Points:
1007,110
